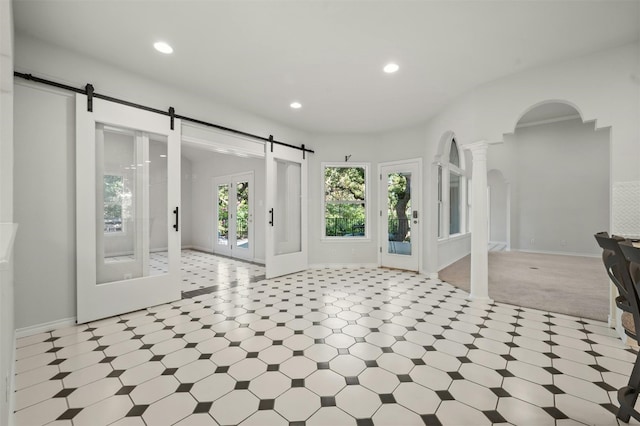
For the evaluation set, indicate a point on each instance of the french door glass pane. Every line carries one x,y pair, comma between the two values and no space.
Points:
131,204
399,213
242,215
287,214
223,214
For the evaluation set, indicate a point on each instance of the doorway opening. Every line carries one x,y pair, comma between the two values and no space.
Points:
550,196
400,214
234,222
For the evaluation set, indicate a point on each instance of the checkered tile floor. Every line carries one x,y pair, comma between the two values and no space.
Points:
324,347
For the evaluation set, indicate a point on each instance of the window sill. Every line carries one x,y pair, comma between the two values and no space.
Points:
454,237
345,240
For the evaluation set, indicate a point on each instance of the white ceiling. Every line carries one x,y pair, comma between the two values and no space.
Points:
262,55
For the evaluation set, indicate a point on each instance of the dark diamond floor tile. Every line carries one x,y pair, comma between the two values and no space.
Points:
64,393
555,413
364,422
553,389
352,380
494,416
266,404
327,401
504,373
69,414
431,420
125,390
387,398
552,370
455,375
60,376
605,386
445,395
184,387
242,385
500,392
137,411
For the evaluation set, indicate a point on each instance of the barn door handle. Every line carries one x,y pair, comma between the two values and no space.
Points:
271,214
175,226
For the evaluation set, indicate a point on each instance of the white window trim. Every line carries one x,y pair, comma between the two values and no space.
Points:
367,192
448,168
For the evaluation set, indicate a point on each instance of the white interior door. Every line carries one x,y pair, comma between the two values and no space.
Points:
127,209
234,216
287,228
400,215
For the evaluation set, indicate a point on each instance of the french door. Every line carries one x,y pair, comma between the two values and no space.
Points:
400,215
127,209
233,233
287,228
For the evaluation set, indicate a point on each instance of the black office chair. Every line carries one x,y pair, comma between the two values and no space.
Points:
628,395
617,268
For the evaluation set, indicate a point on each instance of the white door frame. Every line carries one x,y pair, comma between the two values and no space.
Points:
416,200
99,301
247,254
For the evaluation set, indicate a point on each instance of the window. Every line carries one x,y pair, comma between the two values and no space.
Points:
113,192
345,201
452,197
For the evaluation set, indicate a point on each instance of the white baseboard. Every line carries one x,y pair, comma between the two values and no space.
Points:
47,326
342,265
199,248
440,268
561,253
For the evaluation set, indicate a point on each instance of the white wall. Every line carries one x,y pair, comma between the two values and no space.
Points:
208,166
44,142
371,149
44,206
6,207
499,209
560,190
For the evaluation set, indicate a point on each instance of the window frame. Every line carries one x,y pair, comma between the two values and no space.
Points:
443,198
367,193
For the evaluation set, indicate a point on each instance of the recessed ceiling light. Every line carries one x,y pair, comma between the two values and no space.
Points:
295,105
390,68
163,156
163,47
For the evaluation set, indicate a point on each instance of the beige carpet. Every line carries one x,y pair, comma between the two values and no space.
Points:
571,285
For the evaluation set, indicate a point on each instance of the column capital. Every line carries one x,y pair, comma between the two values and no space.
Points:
477,146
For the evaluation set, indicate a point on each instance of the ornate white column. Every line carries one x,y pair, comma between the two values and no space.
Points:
479,223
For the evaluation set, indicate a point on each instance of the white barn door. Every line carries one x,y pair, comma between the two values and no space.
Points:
287,227
127,209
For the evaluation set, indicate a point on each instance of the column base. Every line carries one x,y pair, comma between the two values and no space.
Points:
486,300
